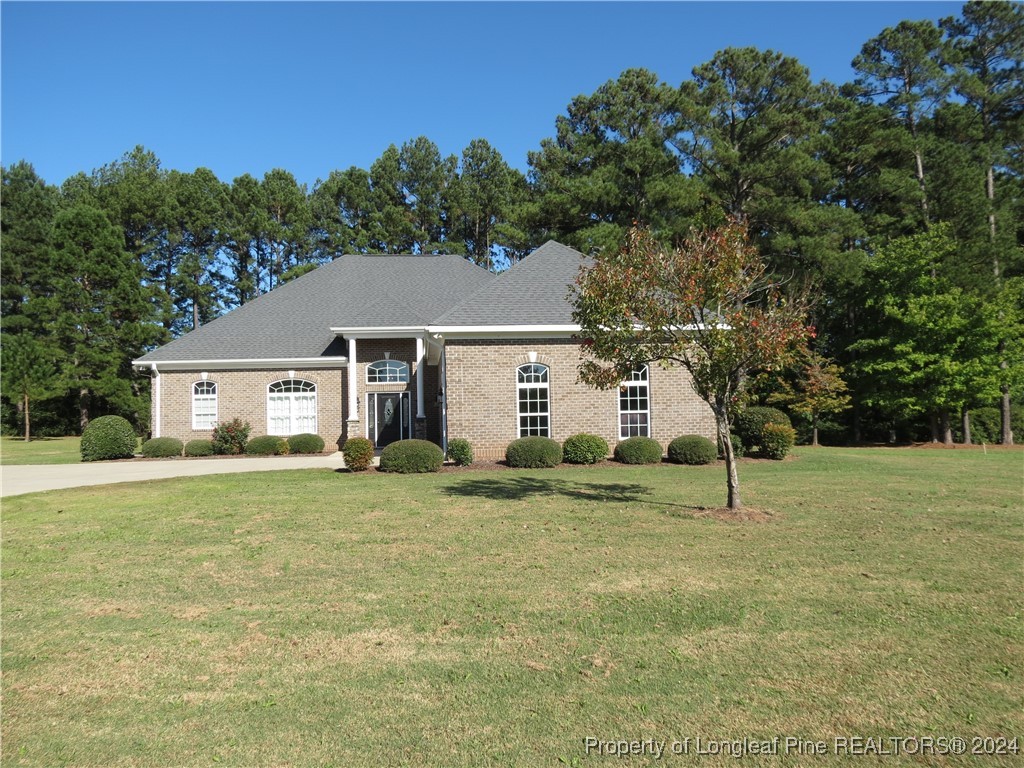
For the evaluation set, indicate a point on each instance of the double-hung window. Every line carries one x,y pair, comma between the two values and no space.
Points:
204,405
635,405
291,407
534,407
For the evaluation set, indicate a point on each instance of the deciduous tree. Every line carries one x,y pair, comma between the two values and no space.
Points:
708,306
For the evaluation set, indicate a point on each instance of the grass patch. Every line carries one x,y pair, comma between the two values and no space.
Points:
41,450
319,618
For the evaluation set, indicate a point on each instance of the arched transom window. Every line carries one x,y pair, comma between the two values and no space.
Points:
291,407
534,407
204,405
635,405
387,372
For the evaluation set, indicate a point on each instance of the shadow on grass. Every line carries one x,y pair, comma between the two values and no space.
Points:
520,488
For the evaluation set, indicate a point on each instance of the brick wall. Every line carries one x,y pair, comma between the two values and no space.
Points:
243,394
482,395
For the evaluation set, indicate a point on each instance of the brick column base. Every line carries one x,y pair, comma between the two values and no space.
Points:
419,428
352,428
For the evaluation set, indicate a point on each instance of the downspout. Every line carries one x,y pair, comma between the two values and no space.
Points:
444,399
421,412
156,399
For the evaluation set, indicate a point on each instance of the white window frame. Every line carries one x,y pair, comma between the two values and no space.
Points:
387,372
544,385
640,378
292,392
207,396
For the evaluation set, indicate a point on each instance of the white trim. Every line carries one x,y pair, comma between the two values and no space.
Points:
381,332
353,396
646,383
155,383
403,428
497,331
245,363
291,395
545,385
421,412
216,404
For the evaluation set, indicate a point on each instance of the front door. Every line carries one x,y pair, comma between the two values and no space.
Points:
388,417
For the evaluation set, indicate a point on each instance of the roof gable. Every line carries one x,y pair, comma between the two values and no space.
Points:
533,292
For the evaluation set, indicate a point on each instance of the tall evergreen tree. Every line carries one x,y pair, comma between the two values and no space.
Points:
611,165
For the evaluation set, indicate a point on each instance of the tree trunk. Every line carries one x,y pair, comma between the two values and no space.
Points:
195,314
814,430
1006,426
965,425
933,422
947,429
732,477
83,408
28,431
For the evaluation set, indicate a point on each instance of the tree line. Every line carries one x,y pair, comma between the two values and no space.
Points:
897,197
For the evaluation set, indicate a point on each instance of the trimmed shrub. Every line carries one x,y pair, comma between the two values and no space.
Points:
411,456
230,437
692,449
584,449
108,437
750,423
358,453
460,451
305,443
533,452
266,445
199,448
638,450
777,440
162,448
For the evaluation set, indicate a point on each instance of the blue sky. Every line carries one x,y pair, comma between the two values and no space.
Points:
312,87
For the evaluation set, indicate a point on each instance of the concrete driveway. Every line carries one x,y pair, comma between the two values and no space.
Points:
29,478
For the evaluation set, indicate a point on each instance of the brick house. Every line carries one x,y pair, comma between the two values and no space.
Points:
393,347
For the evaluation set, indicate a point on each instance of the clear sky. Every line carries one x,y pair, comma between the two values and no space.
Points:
312,87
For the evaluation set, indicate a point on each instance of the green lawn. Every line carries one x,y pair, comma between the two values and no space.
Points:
41,450
500,618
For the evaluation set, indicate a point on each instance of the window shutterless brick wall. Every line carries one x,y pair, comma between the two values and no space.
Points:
482,395
243,394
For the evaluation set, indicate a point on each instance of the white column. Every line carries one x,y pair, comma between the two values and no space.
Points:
155,383
421,412
353,396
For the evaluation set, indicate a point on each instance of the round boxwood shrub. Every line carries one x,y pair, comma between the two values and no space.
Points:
533,452
266,445
460,451
776,440
305,443
411,456
584,449
751,422
358,453
199,448
162,448
108,437
692,449
638,450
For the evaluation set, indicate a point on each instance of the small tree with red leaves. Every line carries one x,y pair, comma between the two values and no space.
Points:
708,306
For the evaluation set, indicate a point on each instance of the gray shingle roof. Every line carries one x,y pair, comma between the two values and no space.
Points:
533,292
294,320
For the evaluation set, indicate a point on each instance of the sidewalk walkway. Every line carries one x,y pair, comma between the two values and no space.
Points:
29,478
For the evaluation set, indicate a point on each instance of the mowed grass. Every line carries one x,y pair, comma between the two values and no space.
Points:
500,618
41,450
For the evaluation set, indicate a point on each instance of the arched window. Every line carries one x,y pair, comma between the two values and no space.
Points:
387,372
635,405
534,401
204,405
291,407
